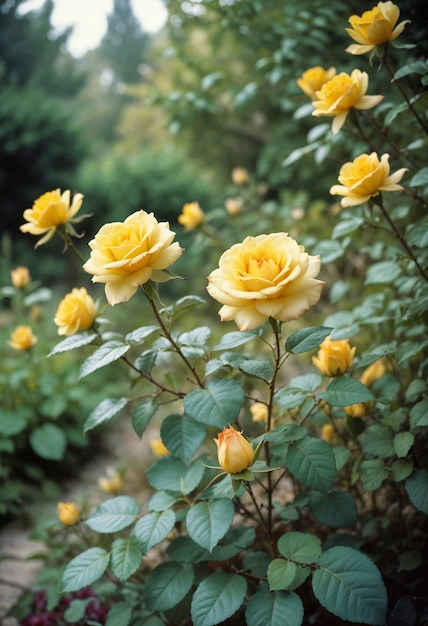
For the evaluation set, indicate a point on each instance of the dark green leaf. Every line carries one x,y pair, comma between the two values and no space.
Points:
311,462
167,585
218,405
108,353
207,522
126,557
217,598
343,391
277,608
417,490
182,435
335,508
143,414
307,339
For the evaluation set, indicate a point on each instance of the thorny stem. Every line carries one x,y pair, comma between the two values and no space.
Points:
400,237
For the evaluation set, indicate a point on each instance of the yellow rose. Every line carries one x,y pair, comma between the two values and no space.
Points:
158,447
314,78
20,277
327,432
234,452
364,177
357,410
341,94
334,358
240,176
68,513
259,412
48,212
233,205
374,27
127,254
373,372
265,276
192,216
22,338
112,483
75,312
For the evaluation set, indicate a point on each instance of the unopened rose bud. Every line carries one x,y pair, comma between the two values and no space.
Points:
68,513
112,482
20,277
259,412
334,358
240,176
233,205
234,452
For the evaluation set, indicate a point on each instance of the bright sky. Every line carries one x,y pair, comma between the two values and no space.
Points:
89,18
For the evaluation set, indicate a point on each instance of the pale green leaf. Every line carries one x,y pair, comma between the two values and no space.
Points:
217,598
119,614
182,435
108,353
113,515
307,339
104,412
218,405
344,391
49,442
72,342
126,557
300,547
280,574
154,528
142,415
85,569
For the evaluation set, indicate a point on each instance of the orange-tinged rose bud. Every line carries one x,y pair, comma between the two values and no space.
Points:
68,513
158,447
234,452
240,176
191,216
22,338
334,358
259,412
20,277
75,312
112,482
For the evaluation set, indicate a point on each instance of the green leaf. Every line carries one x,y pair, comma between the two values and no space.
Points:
419,414
402,443
278,608
401,469
11,423
307,339
167,585
85,569
104,412
335,508
106,354
217,598
143,414
372,474
208,522
173,475
182,435
49,442
348,584
383,272
72,342
153,528
417,490
258,368
119,614
160,501
236,338
378,441
137,336
126,557
76,610
218,405
182,305
420,178
311,462
113,515
280,574
300,547
343,391
185,550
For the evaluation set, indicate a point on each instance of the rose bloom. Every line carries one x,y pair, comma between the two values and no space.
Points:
158,447
22,338
68,513
20,277
75,312
234,452
192,216
314,78
112,483
265,276
341,94
233,205
364,177
127,254
334,358
259,412
48,212
240,175
374,27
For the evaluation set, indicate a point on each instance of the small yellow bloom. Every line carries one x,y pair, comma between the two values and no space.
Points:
314,78
233,205
125,255
191,216
112,482
364,177
50,211
68,513
334,358
375,27
341,94
373,372
357,410
240,176
22,338
259,412
158,447
234,452
327,432
265,276
20,277
75,312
